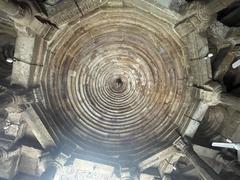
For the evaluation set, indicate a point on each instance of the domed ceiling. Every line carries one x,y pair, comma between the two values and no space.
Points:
116,79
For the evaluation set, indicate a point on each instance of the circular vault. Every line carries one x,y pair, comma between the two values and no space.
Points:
116,82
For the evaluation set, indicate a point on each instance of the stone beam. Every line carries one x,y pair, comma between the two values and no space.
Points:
156,158
216,160
196,119
230,100
23,65
38,128
214,6
204,169
25,97
221,66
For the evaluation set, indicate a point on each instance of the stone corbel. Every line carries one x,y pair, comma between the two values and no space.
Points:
212,94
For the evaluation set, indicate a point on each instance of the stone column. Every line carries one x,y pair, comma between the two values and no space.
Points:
53,166
204,169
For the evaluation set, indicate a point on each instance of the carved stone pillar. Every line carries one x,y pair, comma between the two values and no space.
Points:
53,166
204,169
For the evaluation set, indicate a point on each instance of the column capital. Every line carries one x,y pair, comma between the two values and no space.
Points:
182,144
201,13
23,96
53,165
17,97
210,93
129,173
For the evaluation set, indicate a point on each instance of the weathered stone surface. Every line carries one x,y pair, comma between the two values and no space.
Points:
121,80
117,79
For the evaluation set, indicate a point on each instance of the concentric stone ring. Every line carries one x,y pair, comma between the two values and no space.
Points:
115,83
